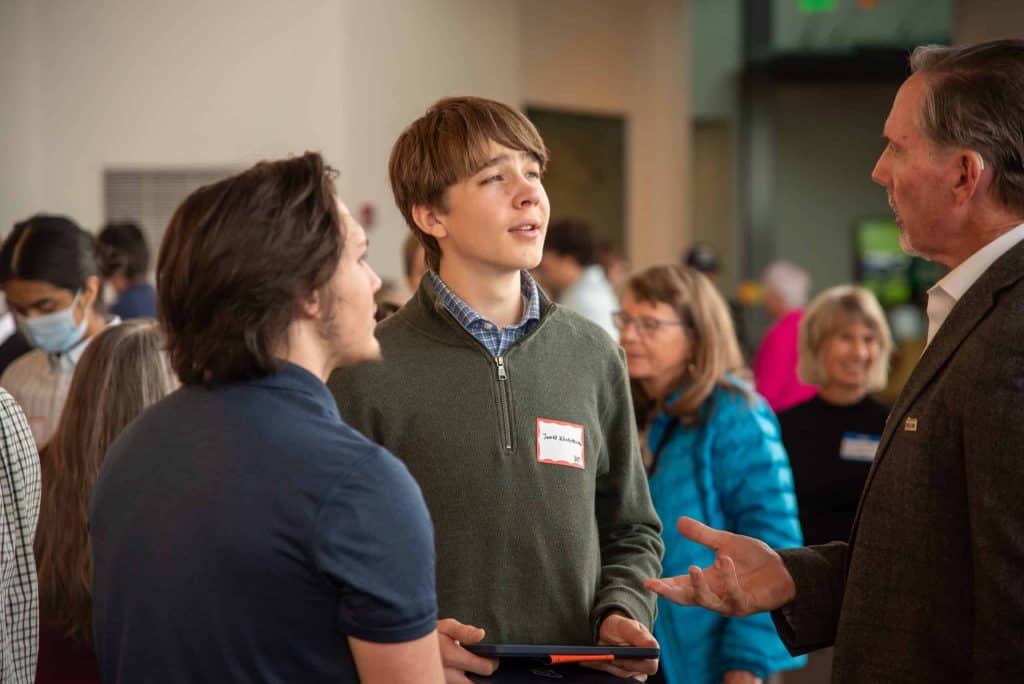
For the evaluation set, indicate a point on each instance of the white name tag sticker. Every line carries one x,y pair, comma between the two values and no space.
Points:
858,447
560,443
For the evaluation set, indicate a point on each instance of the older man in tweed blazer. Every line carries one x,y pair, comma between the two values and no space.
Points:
930,586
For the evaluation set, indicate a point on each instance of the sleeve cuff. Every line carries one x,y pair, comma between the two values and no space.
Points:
809,621
635,609
394,635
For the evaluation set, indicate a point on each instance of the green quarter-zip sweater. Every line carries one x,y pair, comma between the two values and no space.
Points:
529,464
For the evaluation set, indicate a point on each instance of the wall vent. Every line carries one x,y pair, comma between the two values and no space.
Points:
150,196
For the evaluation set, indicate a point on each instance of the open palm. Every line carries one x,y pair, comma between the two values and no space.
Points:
746,577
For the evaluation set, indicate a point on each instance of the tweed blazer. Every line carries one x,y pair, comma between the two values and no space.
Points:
930,586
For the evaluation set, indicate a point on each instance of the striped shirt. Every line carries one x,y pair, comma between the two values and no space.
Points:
497,340
19,512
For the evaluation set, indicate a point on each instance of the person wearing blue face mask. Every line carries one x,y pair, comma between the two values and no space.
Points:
50,276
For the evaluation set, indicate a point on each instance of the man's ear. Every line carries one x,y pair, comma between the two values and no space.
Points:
970,167
429,220
90,292
309,306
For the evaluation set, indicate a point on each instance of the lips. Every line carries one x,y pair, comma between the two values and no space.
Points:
895,211
525,228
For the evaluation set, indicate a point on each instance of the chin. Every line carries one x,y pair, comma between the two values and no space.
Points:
639,375
370,353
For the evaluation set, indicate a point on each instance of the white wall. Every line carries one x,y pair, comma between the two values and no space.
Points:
19,85
129,83
145,83
400,56
629,59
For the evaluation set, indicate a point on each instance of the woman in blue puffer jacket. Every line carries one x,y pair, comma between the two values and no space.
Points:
715,455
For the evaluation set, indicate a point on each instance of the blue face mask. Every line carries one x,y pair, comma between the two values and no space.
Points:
55,332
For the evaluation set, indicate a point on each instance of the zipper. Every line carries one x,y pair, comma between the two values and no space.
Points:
505,399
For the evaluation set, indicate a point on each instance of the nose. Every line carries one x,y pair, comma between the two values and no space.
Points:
529,193
880,174
627,333
375,281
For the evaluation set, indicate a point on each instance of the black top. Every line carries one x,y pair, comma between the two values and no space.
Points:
13,347
241,533
830,450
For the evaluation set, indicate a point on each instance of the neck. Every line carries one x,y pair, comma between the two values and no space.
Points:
498,298
655,388
96,324
304,346
987,224
841,395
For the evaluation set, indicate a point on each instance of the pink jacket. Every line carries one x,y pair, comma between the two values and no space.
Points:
775,365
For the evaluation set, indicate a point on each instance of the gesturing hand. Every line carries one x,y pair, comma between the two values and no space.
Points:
458,661
617,629
746,577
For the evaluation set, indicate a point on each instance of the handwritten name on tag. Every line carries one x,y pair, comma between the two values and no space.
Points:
858,447
560,443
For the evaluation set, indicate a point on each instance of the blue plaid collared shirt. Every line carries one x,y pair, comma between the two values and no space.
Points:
497,340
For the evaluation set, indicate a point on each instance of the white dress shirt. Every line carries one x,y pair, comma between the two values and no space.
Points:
944,295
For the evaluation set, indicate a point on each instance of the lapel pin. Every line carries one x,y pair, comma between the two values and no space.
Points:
910,425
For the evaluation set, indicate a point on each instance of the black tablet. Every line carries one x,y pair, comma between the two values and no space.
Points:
560,652
546,674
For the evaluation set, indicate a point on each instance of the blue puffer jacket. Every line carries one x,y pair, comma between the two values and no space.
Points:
731,472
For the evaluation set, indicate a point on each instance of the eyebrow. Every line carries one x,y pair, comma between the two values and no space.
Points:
494,161
38,304
504,158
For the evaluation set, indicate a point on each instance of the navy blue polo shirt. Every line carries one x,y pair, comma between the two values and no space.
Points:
241,533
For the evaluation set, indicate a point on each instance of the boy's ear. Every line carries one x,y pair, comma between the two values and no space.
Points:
429,220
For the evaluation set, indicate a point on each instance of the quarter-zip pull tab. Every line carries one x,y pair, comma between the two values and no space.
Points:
502,375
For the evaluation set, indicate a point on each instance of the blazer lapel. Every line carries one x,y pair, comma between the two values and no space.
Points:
965,316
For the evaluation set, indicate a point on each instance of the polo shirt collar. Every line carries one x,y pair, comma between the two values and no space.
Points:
295,378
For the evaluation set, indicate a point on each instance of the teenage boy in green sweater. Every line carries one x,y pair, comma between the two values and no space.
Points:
513,414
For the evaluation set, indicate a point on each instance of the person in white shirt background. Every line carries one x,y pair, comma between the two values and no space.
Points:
52,286
572,270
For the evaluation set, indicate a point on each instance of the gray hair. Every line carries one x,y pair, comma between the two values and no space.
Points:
790,282
831,312
974,99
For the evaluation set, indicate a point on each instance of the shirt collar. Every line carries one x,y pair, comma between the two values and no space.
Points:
468,316
295,378
69,359
959,280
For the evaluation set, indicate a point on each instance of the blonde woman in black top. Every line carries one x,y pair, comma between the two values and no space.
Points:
831,439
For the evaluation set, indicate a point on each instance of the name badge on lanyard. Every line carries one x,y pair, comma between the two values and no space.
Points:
858,447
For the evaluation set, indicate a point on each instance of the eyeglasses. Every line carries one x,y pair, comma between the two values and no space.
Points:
645,325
